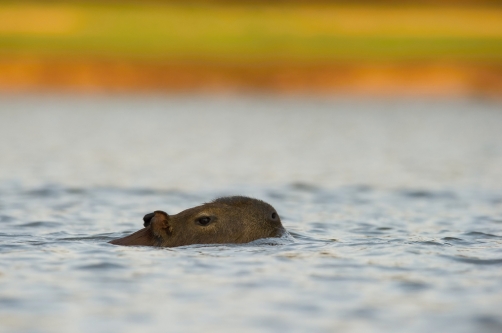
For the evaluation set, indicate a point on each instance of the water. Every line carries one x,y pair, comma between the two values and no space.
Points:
394,210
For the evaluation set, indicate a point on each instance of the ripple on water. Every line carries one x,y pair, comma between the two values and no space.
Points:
489,323
101,237
423,194
430,243
364,254
40,224
6,218
476,261
456,241
101,266
481,235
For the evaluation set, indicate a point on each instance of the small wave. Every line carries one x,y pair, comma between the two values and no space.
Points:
429,243
413,285
6,218
302,237
285,239
418,194
477,261
37,224
299,186
455,240
490,323
452,239
9,301
479,234
101,266
96,237
44,192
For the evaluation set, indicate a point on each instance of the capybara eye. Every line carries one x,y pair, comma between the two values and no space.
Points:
274,215
205,220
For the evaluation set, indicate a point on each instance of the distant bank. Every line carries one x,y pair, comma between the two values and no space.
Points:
321,47
373,79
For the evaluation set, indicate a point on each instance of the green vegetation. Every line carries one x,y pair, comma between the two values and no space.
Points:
241,33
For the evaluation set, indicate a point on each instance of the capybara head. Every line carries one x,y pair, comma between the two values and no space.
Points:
224,220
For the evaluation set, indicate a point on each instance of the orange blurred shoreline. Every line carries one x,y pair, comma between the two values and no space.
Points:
422,79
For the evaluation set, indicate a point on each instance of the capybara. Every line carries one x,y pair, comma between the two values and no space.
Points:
224,220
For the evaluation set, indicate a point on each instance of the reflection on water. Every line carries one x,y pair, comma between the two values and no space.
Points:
394,211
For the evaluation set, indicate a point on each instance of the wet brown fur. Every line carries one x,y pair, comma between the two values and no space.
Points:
233,220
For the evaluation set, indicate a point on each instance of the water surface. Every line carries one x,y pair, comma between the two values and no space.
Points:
394,210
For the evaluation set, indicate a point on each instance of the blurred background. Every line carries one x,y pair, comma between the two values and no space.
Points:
250,92
371,48
373,127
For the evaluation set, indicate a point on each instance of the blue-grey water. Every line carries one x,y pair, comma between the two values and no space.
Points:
393,207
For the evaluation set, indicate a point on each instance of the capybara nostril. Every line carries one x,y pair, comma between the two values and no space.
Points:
148,218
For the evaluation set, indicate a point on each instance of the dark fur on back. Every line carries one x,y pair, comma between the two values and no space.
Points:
236,200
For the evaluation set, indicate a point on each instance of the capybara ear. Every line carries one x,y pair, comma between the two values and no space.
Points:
159,224
147,219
